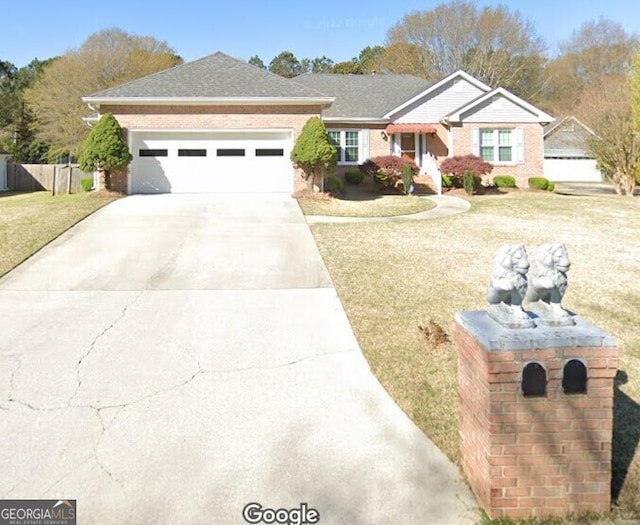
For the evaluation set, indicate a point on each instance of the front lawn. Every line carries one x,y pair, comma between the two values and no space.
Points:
365,205
28,221
393,277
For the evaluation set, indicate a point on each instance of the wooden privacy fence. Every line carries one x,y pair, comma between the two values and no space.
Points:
58,178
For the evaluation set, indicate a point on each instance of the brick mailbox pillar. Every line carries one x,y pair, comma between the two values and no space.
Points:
536,409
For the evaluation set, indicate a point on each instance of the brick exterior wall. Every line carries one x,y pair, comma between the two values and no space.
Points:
533,150
438,143
212,118
535,456
377,144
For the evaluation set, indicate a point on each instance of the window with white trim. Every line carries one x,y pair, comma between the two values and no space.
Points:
347,142
497,145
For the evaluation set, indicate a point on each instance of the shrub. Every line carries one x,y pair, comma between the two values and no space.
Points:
354,176
504,181
458,165
105,148
551,186
313,152
539,183
86,183
333,185
387,170
368,168
407,179
450,182
469,182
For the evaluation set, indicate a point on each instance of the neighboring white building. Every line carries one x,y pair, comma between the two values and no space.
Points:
566,158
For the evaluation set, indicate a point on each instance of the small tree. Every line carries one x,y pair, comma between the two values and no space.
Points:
105,149
468,182
313,152
616,146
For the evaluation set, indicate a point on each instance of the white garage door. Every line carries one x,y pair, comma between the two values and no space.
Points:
211,162
571,170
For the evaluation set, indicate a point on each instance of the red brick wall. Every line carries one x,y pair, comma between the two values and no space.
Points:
535,456
533,151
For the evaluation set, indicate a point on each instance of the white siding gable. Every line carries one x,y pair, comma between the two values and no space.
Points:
439,103
498,109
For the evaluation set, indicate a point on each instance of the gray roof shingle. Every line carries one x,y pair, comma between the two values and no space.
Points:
364,96
214,76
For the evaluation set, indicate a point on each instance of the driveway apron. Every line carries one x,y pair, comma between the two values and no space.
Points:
174,358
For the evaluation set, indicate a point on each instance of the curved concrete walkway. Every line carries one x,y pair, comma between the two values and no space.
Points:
445,206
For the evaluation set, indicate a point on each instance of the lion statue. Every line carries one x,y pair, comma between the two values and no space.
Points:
549,284
508,286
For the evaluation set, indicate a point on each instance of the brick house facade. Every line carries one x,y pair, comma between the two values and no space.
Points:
193,127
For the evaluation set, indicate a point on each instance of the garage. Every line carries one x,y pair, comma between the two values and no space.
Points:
563,169
566,152
171,161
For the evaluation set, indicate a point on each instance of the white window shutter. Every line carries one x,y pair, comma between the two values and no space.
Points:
520,145
364,145
475,141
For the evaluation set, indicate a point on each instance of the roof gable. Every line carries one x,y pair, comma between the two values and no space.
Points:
498,105
216,76
439,100
568,137
441,85
569,124
364,97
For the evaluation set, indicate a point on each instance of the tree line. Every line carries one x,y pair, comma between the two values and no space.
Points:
590,76
41,110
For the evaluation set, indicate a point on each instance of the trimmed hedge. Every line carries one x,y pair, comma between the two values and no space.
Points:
539,183
353,176
504,181
333,185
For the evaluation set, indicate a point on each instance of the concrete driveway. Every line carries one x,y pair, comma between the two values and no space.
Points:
174,358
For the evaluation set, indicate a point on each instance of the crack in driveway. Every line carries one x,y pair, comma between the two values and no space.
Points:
282,365
199,371
94,342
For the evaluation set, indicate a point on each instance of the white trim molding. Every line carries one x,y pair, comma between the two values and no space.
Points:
207,101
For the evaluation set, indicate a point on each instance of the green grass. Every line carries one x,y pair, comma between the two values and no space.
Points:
29,221
393,277
365,206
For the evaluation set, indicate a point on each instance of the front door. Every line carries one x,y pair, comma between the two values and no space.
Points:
408,145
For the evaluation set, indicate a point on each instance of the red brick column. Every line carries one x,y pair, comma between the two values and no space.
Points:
534,456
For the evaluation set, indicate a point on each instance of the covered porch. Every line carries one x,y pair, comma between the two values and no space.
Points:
420,143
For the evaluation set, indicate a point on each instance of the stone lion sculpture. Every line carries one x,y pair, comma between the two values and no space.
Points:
548,285
508,286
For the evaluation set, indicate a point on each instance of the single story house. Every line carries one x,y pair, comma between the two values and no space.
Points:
4,157
566,156
219,124
429,121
